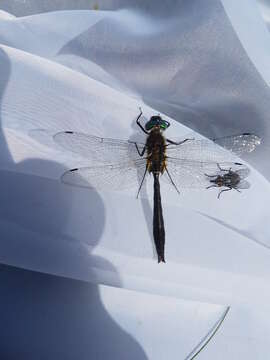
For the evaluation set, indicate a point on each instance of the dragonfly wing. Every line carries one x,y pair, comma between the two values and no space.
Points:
200,150
219,150
107,177
190,173
97,149
239,144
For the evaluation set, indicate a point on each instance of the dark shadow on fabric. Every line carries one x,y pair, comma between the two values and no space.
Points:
216,121
49,317
4,78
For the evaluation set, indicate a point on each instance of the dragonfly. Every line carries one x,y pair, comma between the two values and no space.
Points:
120,164
229,178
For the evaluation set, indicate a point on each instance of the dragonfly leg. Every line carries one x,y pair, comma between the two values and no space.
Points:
140,153
229,189
177,143
141,182
139,124
237,189
171,180
211,176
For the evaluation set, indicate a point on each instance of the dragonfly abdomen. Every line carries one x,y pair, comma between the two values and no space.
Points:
158,221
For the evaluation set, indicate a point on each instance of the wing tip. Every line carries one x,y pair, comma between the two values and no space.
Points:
244,185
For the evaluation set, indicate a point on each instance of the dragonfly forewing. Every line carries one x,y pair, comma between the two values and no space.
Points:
97,149
239,144
217,150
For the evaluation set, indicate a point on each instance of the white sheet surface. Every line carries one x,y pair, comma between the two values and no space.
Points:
204,66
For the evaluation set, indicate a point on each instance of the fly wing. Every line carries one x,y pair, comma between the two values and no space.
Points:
216,150
107,177
243,172
97,149
244,184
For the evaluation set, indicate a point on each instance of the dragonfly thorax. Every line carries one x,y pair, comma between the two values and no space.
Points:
156,151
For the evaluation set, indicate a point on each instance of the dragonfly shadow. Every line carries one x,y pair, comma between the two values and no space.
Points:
46,226
143,196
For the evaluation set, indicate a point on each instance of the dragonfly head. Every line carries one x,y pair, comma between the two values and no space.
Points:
157,121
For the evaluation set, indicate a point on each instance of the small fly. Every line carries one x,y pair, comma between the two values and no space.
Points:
229,179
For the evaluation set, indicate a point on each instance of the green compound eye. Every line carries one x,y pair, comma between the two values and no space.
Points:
157,121
163,126
150,124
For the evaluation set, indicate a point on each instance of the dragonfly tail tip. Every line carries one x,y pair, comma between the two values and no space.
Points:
161,259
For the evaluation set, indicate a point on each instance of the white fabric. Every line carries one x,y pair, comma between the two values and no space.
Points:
89,71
